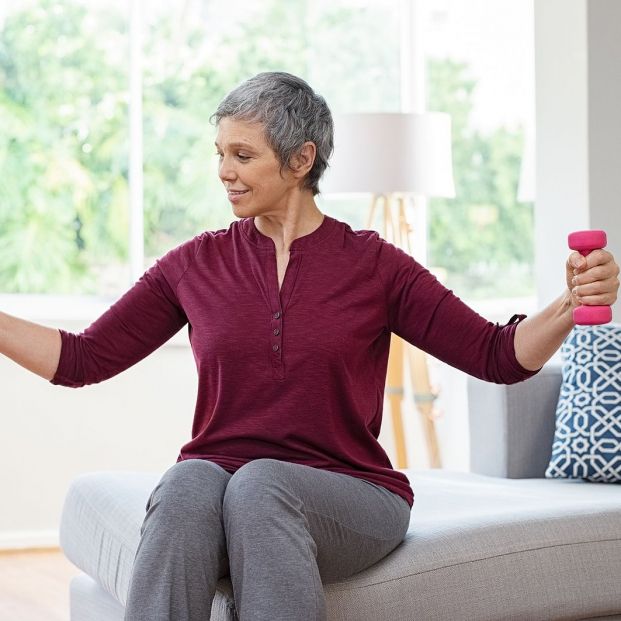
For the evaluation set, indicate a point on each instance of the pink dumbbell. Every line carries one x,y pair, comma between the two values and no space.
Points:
584,242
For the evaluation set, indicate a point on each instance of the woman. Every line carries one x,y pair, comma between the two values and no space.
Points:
284,485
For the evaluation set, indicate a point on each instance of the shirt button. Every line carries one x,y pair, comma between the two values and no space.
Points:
276,315
276,332
275,347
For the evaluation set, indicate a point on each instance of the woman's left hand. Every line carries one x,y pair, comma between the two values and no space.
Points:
592,280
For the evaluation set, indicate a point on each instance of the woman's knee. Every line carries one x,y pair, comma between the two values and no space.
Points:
256,488
255,478
193,486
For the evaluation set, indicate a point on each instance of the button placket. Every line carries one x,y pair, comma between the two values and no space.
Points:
279,298
276,333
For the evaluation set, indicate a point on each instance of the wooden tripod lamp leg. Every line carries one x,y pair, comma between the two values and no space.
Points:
394,390
424,398
397,230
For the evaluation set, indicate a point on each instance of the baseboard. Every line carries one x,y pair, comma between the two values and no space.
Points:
29,539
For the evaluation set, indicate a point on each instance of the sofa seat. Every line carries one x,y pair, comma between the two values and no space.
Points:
478,548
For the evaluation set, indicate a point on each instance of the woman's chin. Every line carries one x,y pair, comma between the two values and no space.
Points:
239,211
243,211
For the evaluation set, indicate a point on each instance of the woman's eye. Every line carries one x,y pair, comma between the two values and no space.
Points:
242,158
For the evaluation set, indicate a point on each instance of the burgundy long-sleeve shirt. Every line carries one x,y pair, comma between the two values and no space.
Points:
296,374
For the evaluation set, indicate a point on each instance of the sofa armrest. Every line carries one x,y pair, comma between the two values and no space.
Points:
512,426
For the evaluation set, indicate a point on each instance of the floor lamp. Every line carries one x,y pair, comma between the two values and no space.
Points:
397,157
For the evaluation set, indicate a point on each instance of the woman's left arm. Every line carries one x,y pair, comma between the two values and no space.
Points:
591,280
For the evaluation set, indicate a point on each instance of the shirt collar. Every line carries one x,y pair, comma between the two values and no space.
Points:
306,242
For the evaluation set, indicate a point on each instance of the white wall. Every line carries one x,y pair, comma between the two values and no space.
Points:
604,88
135,421
578,159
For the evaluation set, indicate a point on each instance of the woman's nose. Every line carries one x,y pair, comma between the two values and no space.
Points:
225,170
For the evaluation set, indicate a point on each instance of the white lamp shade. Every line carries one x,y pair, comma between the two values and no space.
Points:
391,152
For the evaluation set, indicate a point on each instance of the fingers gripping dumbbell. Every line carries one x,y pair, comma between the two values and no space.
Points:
585,242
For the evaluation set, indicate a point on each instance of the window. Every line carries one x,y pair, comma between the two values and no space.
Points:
65,205
63,147
480,69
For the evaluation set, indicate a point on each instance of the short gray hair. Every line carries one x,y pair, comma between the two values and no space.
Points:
291,114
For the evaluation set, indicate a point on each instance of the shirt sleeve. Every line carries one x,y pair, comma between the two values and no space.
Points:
429,316
142,320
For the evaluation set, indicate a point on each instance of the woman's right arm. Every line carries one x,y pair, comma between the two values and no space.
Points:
31,345
139,322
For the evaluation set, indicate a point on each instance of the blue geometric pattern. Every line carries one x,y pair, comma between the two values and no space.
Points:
587,441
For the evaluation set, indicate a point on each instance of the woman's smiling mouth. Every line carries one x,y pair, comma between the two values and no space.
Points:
235,195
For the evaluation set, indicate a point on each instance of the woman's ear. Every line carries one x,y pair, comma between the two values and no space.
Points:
303,160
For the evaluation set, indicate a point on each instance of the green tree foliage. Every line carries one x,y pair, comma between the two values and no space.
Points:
483,238
63,150
180,91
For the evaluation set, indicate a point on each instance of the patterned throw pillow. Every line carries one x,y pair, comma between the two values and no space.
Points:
587,441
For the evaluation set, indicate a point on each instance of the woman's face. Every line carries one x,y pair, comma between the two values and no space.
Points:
250,170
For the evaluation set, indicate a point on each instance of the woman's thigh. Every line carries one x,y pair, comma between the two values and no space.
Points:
353,522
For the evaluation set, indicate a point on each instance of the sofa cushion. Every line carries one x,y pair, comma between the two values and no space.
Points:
99,533
587,440
478,548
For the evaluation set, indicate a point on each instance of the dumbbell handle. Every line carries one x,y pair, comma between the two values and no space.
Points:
585,242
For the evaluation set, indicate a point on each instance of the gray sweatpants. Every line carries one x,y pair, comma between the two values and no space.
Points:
279,529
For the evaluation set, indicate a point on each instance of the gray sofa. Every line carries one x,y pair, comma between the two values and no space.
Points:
500,542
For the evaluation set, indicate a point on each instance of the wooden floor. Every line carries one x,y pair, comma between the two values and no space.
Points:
34,585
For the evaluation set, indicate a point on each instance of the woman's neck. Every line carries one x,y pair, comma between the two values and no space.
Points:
284,229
